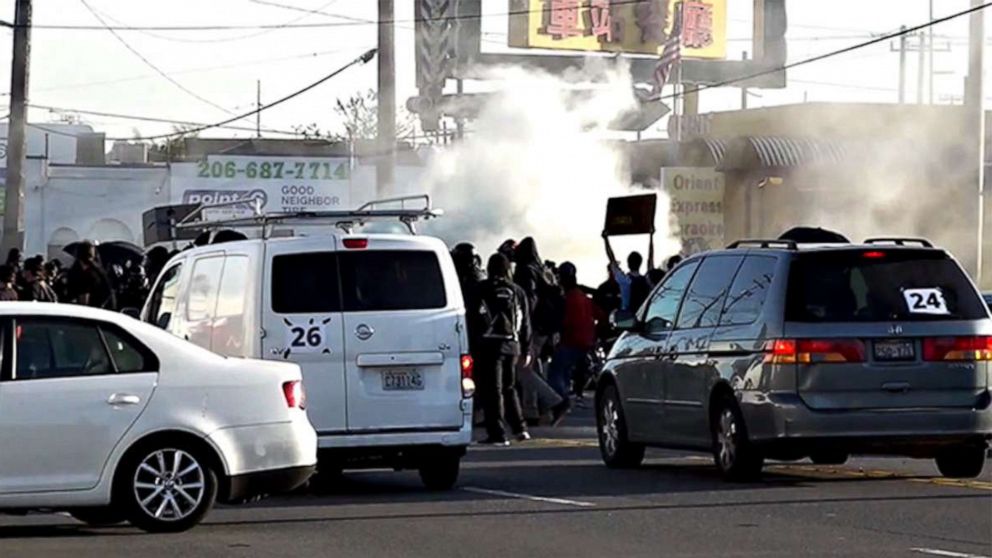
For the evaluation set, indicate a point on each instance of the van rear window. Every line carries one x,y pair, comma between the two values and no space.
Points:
391,280
305,283
880,285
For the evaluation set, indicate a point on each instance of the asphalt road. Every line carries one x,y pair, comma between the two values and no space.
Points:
553,497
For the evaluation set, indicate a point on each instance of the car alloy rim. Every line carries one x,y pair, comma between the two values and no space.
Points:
169,484
726,437
611,429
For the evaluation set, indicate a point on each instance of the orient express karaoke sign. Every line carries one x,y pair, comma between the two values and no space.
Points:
619,26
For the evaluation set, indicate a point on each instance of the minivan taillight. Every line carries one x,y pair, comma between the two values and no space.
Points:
958,348
296,397
468,384
816,351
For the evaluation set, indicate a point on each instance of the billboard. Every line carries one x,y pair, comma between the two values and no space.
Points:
696,195
278,184
619,26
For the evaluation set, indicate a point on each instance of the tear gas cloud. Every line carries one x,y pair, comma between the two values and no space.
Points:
535,163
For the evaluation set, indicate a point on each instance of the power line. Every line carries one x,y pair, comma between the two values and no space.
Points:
191,28
364,58
223,39
831,54
149,63
154,119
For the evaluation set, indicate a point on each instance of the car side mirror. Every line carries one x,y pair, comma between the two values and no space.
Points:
163,320
623,320
131,313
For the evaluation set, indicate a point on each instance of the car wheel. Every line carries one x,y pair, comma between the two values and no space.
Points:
829,458
441,471
98,517
735,456
166,488
962,463
616,448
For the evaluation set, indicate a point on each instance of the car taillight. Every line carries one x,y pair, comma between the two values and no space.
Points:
958,348
468,384
296,397
811,351
356,243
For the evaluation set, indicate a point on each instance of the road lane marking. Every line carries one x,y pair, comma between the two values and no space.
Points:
947,553
518,496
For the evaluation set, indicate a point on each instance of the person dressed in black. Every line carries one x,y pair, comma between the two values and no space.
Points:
639,287
505,316
88,282
468,266
8,284
36,287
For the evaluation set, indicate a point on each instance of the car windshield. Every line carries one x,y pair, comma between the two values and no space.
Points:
877,285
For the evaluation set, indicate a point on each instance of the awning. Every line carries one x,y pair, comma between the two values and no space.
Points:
783,152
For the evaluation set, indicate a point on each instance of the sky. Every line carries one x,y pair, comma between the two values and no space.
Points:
217,71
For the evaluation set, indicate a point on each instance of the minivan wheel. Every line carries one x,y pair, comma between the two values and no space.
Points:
98,517
829,458
616,448
441,471
166,488
735,456
964,462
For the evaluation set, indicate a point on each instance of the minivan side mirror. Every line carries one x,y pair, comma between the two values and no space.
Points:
131,313
623,320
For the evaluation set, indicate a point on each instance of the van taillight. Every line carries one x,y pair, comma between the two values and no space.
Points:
958,348
355,243
468,384
814,351
296,397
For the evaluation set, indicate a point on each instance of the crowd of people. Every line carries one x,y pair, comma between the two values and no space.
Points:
534,330
120,285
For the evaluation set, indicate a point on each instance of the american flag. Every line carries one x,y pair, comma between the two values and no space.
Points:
671,54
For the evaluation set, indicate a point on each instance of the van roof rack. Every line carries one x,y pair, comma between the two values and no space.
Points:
907,241
761,243
346,220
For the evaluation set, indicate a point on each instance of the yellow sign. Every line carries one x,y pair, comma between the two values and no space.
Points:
626,26
696,195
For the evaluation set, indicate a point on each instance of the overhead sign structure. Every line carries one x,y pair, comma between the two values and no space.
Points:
277,184
619,26
697,203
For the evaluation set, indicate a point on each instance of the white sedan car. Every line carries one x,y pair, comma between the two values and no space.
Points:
114,420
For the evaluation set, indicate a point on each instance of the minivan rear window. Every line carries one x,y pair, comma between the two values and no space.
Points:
305,283
391,280
880,285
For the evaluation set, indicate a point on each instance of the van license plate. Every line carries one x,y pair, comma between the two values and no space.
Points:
895,351
405,380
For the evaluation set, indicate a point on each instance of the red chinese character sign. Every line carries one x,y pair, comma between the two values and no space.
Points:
619,26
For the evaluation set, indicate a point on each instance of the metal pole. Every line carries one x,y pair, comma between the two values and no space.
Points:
258,105
744,89
902,65
460,122
13,221
921,63
930,51
975,118
386,156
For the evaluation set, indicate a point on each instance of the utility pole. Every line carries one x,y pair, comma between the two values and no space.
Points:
930,52
921,63
975,119
902,65
13,218
258,105
386,121
744,89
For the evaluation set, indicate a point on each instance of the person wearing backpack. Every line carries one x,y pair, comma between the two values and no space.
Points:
547,306
504,317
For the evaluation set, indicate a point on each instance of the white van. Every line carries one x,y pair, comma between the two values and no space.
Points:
376,322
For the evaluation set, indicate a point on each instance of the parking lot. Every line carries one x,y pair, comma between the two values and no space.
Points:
553,496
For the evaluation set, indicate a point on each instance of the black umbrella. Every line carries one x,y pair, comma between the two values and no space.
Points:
115,252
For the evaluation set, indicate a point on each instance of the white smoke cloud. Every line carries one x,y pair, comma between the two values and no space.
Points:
536,164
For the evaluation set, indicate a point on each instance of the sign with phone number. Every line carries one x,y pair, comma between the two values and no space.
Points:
279,184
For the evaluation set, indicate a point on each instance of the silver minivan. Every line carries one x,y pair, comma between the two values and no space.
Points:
772,349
